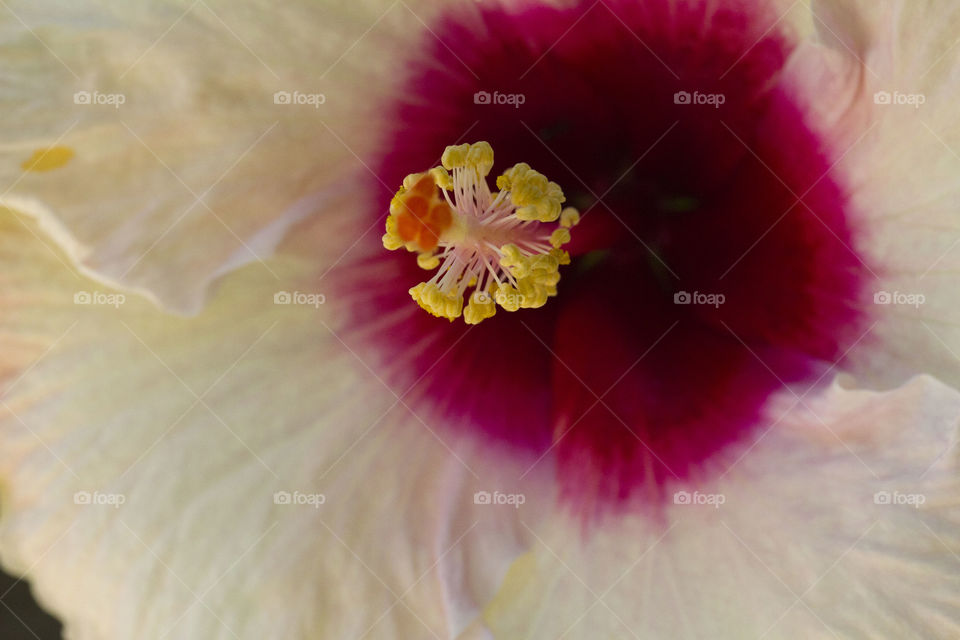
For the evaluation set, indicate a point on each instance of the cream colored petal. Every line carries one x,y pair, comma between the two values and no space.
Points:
141,455
151,141
841,522
883,80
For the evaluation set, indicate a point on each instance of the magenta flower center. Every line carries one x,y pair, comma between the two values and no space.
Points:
714,263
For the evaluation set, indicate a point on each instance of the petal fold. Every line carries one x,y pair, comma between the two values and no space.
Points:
240,473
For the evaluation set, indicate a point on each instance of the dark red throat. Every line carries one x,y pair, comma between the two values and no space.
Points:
715,262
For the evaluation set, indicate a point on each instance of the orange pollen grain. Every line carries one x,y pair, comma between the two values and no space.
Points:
425,215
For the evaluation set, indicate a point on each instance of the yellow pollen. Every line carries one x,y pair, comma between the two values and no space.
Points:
48,159
560,237
428,261
491,249
569,217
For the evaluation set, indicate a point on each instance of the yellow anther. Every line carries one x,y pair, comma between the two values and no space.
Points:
536,197
436,302
481,157
443,178
542,268
492,249
514,261
408,182
454,156
534,295
428,261
560,237
569,217
480,307
508,297
391,240
477,156
563,258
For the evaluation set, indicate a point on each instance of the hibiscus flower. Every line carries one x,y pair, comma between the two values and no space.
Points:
695,371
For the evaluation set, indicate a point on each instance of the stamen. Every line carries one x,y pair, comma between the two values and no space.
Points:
506,245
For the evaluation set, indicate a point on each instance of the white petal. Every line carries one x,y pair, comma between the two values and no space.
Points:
901,162
800,548
189,426
198,169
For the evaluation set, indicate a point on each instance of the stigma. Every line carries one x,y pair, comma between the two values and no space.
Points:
501,248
